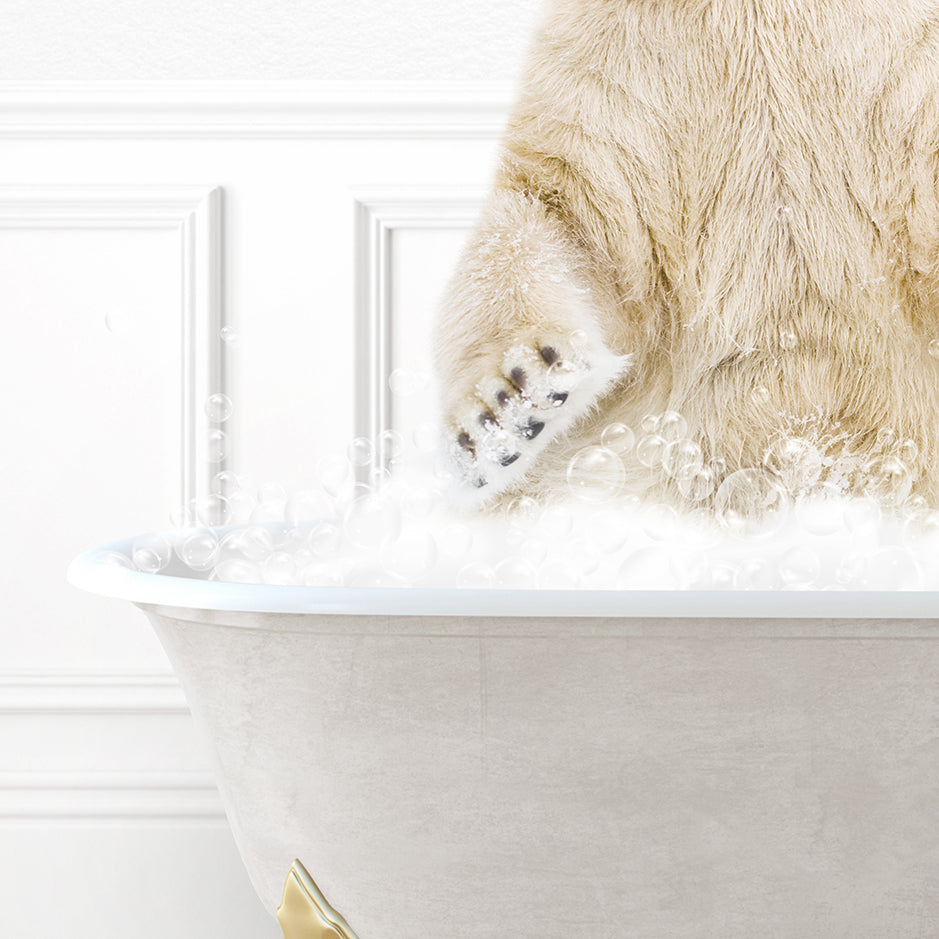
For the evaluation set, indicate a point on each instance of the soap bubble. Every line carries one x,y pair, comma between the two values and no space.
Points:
216,446
456,540
682,457
114,559
213,510
390,445
757,574
788,339
198,549
933,348
853,570
556,521
230,336
308,505
413,555
618,437
151,553
895,568
426,437
476,576
372,521
650,423
696,483
324,539
253,543
672,426
279,567
823,513
908,451
318,574
515,572
359,451
237,571
886,439
887,479
796,462
595,474
521,510
650,450
218,407
404,382
226,482
578,339
750,502
761,395
861,514
332,473
799,567
184,516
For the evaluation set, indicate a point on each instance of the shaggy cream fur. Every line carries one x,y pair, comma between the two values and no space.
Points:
726,208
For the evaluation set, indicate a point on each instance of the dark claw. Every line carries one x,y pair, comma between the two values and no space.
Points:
532,429
502,397
479,483
558,397
519,378
466,442
488,419
509,460
550,355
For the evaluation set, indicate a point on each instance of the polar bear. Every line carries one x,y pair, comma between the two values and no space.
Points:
726,210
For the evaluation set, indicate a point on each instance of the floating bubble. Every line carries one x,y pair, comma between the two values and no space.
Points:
390,445
556,521
853,571
184,516
650,450
908,451
761,395
672,426
225,483
650,423
682,457
861,514
216,446
887,479
788,340
795,461
114,559
150,553
618,437
230,336
372,521
359,451
426,438
933,348
751,502
894,568
238,571
253,543
324,539
696,483
413,555
455,540
213,510
308,505
521,510
822,514
799,567
218,408
578,339
476,576
279,567
595,474
757,574
405,382
515,572
198,549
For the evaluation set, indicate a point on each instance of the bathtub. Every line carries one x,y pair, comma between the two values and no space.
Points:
549,764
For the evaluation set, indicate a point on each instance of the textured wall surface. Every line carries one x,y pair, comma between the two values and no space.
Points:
264,39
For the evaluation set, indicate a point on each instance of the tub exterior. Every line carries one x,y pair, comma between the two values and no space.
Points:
550,777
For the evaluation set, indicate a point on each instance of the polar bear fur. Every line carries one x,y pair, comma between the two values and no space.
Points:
724,208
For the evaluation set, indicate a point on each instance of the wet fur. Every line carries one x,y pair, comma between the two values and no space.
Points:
688,182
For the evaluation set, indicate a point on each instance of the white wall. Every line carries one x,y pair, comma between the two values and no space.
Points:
136,218
264,39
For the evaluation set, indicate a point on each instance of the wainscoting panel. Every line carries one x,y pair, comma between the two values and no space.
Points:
282,244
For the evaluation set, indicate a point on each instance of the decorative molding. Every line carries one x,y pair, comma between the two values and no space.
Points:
195,212
271,109
29,797
378,214
84,693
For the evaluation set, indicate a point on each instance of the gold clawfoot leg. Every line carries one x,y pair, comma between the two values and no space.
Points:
304,913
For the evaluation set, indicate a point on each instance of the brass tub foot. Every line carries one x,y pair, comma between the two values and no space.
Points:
304,913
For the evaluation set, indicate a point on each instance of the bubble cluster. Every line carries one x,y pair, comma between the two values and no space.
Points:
808,515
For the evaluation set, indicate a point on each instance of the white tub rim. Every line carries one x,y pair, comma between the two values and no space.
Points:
90,571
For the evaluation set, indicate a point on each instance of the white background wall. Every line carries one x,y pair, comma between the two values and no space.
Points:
109,821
